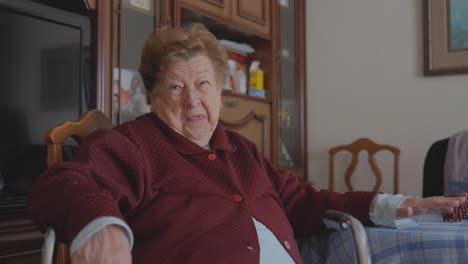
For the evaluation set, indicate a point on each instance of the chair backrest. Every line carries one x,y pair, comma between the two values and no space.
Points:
433,171
78,130
55,138
372,148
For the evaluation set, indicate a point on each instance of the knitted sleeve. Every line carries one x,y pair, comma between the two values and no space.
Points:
105,178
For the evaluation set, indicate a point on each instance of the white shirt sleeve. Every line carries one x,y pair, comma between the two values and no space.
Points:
383,211
96,225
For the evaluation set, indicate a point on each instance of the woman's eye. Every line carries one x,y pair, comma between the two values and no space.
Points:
204,82
175,87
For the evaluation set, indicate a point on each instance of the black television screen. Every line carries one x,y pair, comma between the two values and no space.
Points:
45,79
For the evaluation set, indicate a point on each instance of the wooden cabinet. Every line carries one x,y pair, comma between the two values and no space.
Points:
132,24
250,15
216,8
279,42
20,241
291,139
275,29
33,258
48,41
249,117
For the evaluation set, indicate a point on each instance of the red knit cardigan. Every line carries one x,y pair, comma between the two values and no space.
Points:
184,204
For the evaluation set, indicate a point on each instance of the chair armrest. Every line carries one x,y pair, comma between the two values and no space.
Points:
48,247
343,221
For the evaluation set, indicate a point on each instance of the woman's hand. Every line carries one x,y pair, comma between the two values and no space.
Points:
413,206
109,245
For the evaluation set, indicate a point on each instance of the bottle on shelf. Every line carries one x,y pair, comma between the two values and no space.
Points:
256,80
241,80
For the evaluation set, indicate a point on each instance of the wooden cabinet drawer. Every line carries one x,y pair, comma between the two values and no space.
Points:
20,241
249,117
29,258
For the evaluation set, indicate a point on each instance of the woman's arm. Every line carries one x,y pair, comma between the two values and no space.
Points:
105,178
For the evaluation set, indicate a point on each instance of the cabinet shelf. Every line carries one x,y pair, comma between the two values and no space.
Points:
255,98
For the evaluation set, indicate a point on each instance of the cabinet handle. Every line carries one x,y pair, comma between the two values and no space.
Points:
231,104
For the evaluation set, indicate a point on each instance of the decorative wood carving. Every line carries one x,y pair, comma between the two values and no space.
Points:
90,4
220,3
243,122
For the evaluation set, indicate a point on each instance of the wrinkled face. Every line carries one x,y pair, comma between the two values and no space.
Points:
188,98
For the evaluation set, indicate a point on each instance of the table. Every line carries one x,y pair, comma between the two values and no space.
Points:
431,241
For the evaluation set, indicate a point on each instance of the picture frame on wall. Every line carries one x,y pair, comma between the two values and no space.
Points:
445,37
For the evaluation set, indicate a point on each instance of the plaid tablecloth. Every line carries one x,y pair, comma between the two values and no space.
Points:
431,241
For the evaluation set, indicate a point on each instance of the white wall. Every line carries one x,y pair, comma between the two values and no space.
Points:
364,70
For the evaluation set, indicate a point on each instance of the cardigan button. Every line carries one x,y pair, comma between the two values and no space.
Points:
287,244
211,156
238,198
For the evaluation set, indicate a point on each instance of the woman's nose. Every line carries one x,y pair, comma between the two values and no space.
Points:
191,96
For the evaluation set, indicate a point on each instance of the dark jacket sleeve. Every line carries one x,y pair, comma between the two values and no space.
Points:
305,206
105,178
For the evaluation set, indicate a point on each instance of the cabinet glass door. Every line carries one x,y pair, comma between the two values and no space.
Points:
134,21
291,145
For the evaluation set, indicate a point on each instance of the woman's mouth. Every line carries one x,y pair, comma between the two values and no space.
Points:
196,118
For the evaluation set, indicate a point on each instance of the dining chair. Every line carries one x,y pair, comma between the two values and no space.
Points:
433,170
355,149
55,139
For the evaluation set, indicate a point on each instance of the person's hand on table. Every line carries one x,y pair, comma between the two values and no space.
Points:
109,245
413,206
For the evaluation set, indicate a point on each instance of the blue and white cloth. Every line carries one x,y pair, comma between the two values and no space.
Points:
431,241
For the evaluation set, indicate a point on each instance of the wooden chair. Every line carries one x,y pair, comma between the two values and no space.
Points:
372,148
433,170
55,138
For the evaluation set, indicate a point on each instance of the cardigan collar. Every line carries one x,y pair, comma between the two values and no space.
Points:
218,141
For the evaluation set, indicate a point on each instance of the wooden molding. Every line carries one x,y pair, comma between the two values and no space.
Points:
90,4
246,120
104,47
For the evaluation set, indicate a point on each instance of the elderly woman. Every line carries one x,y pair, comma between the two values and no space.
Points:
173,186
